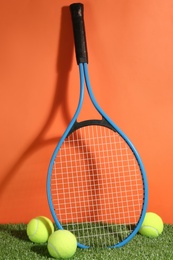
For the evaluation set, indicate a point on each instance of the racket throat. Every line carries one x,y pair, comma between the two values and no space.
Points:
102,122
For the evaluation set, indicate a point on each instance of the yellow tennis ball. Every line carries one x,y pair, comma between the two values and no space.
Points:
152,225
39,229
62,244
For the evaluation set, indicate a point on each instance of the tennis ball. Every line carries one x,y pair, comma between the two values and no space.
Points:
39,229
152,225
62,244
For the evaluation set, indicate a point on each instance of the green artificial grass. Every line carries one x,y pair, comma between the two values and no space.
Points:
14,244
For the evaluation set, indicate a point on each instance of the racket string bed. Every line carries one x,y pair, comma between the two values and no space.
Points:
97,186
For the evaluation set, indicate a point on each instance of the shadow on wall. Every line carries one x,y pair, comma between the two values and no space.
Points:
64,61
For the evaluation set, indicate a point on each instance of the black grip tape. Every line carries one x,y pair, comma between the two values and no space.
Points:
77,10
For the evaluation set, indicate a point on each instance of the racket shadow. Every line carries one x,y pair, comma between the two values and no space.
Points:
91,184
64,61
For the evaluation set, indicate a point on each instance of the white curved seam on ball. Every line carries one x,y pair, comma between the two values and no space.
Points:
151,228
54,249
36,228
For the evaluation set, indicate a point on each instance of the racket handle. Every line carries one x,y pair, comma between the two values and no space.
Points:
79,32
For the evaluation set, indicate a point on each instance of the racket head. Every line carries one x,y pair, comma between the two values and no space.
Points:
97,187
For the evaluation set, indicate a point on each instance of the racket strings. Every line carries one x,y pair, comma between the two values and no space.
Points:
97,187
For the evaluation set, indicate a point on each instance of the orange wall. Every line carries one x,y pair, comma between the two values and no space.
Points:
130,47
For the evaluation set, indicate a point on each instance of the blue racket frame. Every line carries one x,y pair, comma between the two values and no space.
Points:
84,78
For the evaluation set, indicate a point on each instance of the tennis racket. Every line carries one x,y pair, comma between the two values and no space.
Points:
96,184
